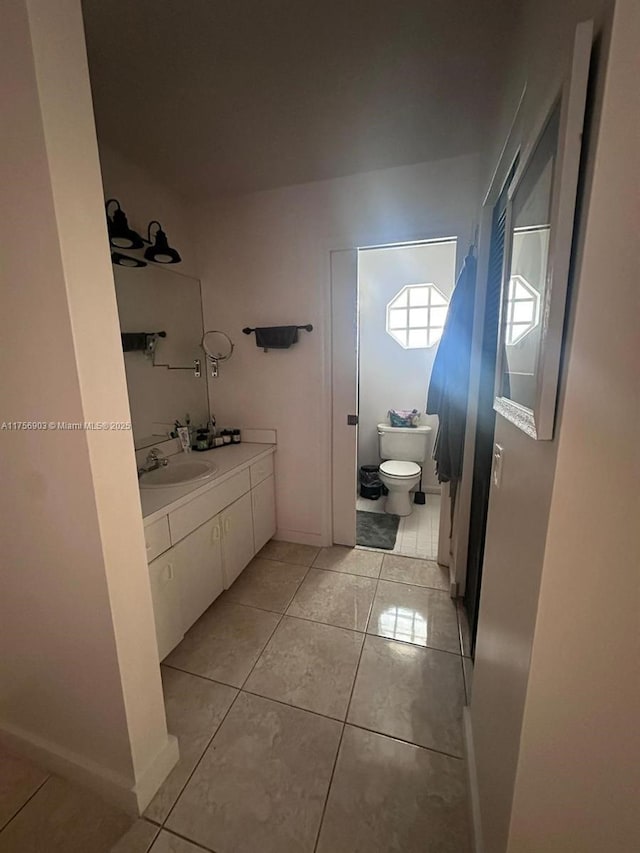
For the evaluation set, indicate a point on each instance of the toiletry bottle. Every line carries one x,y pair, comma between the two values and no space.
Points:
236,438
192,436
183,435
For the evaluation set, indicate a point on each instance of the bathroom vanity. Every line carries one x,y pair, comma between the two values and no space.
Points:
199,537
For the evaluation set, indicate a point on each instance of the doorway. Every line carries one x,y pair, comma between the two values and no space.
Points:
389,304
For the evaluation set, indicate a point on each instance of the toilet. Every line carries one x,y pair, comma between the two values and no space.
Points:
403,451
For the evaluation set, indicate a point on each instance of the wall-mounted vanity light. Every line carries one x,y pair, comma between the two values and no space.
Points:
126,260
120,235
160,251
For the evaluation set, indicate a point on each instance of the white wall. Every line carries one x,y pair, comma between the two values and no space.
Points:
519,510
390,376
79,668
264,260
578,772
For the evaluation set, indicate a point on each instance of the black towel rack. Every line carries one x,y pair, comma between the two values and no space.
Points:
307,327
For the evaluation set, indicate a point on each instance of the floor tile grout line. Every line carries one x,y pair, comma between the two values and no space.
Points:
235,698
203,677
245,689
364,634
199,761
326,799
275,628
152,823
291,705
352,575
184,838
26,802
346,716
405,741
288,615
342,722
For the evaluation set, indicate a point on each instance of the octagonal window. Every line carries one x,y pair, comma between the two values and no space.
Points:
522,309
416,316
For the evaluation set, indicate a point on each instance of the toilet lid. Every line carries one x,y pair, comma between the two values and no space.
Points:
395,468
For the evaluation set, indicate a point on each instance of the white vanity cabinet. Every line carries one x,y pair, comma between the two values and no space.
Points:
263,505
236,524
165,595
201,546
198,563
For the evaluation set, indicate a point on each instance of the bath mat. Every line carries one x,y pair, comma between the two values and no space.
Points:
376,529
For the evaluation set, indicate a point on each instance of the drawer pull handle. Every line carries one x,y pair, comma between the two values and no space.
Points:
227,525
215,533
169,571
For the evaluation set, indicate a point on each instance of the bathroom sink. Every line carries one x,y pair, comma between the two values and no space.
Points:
178,472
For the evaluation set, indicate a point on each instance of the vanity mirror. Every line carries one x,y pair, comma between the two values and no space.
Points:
162,379
539,231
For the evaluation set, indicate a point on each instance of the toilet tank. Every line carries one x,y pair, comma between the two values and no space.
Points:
407,444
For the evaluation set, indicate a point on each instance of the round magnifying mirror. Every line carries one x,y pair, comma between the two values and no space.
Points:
217,345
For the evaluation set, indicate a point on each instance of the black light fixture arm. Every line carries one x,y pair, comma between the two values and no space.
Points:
153,222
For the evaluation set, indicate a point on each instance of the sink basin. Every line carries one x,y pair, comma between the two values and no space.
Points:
178,472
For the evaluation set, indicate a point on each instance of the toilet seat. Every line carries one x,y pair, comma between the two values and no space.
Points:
400,470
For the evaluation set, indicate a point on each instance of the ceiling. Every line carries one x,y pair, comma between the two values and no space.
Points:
233,96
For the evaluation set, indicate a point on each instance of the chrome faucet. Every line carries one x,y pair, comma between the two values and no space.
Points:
155,459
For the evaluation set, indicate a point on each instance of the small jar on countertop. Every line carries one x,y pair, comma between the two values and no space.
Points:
235,436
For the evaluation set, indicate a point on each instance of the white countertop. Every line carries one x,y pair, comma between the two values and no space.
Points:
228,459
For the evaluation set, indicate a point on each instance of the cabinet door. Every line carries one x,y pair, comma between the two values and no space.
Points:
198,562
264,512
165,594
237,538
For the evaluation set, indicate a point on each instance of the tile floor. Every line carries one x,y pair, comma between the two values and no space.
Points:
418,532
317,705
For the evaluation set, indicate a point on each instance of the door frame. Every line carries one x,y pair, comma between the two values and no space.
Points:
459,549
336,406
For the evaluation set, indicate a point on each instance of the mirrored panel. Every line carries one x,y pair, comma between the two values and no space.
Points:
525,293
161,320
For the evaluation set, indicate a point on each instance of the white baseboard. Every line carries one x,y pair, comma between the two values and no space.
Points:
472,781
152,778
113,787
301,538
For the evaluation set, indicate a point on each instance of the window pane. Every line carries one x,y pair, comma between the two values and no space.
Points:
418,317
517,331
417,338
434,336
438,316
400,300
400,335
398,318
437,298
419,296
523,311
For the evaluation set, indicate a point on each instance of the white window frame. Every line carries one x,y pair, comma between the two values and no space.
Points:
510,304
429,328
